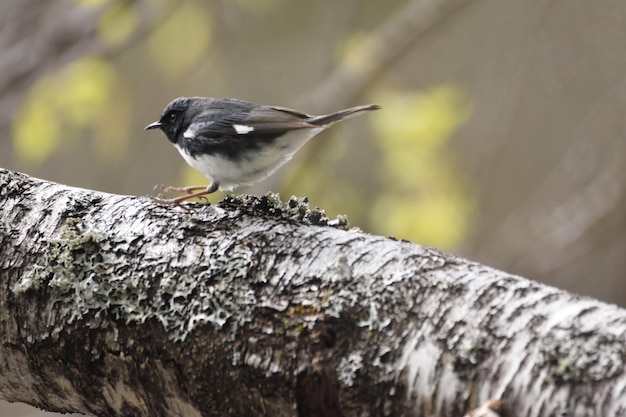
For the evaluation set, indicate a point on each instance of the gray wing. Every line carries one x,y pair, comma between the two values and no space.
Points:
258,121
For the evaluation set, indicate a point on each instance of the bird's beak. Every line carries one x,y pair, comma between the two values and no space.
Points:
155,125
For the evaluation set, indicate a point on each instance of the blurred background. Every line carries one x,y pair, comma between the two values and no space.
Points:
501,138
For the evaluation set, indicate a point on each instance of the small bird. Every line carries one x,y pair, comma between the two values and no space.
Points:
234,142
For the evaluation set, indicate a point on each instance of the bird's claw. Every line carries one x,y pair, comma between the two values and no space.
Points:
190,192
169,201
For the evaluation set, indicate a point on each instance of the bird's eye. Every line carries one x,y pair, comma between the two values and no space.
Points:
172,116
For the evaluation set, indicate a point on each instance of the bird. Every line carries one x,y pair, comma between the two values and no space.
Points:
234,142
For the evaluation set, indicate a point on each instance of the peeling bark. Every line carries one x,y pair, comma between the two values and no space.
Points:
117,306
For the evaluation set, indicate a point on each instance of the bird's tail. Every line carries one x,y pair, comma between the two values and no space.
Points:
328,119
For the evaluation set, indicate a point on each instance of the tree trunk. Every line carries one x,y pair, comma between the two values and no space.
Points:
118,306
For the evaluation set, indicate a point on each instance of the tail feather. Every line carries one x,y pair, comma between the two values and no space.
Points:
328,119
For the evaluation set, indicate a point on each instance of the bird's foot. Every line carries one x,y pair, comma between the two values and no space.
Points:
191,192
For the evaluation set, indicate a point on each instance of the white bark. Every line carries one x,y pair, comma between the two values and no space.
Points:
115,306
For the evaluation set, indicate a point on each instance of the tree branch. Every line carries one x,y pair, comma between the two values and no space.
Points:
379,51
116,306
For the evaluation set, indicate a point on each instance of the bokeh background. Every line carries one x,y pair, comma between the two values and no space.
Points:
501,138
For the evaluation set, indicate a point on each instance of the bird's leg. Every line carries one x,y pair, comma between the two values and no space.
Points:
188,190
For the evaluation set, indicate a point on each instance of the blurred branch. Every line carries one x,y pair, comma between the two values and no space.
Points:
378,52
373,57
38,37
562,227
583,190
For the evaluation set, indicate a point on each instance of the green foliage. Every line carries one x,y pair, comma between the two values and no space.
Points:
182,39
358,53
424,198
117,24
87,94
91,3
59,105
412,190
258,6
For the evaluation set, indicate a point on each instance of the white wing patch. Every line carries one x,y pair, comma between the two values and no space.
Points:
194,128
243,129
191,131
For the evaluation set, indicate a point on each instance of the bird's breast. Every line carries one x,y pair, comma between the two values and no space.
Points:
244,164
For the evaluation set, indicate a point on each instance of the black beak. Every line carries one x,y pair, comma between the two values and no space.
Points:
155,125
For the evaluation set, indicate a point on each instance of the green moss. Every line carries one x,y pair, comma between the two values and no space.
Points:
343,290
468,354
31,280
296,209
89,276
600,357
349,367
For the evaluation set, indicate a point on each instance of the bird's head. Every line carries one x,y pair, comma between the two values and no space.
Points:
172,121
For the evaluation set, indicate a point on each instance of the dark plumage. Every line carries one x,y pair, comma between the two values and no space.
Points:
234,142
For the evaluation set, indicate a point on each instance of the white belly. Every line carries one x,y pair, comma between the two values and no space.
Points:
230,174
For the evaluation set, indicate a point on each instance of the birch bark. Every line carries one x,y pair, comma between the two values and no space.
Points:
116,306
